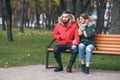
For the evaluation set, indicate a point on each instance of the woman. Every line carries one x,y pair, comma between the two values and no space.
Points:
87,44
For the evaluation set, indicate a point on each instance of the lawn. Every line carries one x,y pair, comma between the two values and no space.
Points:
28,48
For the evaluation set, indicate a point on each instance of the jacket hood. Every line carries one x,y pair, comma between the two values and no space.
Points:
91,21
72,19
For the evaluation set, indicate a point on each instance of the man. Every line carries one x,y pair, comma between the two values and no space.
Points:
66,34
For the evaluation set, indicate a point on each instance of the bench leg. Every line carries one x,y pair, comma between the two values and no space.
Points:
47,59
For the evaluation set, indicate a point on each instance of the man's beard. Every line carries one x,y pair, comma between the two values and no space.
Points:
65,22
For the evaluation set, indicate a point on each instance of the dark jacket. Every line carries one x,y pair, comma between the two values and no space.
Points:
87,36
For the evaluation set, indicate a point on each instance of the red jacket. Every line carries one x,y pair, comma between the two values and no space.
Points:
66,35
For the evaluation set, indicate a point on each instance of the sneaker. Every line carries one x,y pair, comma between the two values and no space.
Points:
58,69
69,69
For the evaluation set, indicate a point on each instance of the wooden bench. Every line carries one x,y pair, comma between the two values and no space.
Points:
106,44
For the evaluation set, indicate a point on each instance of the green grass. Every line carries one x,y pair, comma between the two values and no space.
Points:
28,48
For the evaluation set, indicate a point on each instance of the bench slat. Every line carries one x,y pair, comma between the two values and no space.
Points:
108,42
108,49
106,39
108,35
108,45
106,52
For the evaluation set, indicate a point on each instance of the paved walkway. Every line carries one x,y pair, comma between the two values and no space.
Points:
38,72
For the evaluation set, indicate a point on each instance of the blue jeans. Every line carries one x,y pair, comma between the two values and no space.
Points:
82,48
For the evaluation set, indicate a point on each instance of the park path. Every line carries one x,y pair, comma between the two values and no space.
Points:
38,72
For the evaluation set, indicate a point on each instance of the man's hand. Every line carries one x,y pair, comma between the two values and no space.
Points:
74,46
74,41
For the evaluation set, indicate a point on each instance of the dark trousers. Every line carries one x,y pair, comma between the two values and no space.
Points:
60,48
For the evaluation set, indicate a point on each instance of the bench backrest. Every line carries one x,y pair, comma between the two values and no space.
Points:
107,43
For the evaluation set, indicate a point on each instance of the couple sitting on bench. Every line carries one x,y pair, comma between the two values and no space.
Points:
78,37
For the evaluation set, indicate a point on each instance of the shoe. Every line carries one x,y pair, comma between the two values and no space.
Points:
69,68
58,69
83,67
87,70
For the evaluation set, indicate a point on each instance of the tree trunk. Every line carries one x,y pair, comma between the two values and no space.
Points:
86,5
47,13
74,2
9,20
100,14
115,19
62,5
22,16
3,13
37,18
78,9
82,8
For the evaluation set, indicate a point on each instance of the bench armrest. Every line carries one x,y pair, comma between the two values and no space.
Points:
50,43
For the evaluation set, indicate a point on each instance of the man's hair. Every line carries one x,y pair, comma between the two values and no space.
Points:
66,12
